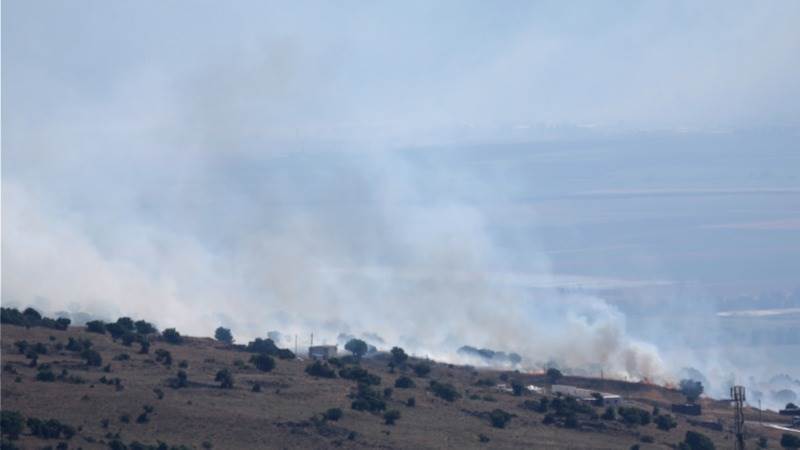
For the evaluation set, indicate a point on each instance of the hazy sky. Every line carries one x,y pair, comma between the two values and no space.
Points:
304,161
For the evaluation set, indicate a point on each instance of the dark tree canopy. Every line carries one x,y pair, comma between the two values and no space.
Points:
224,335
172,336
553,375
357,347
691,389
399,356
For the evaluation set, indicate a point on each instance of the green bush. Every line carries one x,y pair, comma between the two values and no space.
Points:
404,382
390,417
333,414
665,422
45,375
698,441
144,328
172,336
444,391
359,374
96,326
11,424
92,357
262,362
50,429
367,399
225,378
422,369
399,356
553,375
499,418
320,369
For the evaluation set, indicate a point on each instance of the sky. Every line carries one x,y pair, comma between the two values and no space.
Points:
343,166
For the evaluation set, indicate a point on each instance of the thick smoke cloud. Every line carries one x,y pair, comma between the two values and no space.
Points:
312,168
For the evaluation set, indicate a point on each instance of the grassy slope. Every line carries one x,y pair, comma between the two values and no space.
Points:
277,417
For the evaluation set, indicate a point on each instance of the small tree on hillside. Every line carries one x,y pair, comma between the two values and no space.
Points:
225,378
399,356
172,336
357,347
224,335
264,363
691,389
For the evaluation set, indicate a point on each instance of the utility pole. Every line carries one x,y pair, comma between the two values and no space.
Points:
312,339
737,396
295,344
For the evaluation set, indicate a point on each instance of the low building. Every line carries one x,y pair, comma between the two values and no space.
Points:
586,395
690,409
322,351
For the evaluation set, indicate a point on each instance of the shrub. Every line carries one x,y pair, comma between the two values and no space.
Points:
265,346
49,429
12,316
517,388
665,422
184,364
320,369
548,419
399,356
144,328
122,357
96,326
262,362
790,441
422,369
609,414
256,387
404,382
387,393
225,378
159,393
22,346
634,416
164,357
31,316
11,424
145,346
172,336
285,353
181,380
46,375
142,418
499,418
411,402
357,347
74,345
698,441
359,374
367,399
763,442
224,335
92,357
571,421
444,391
389,417
333,414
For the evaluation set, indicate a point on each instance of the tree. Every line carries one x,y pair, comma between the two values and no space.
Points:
691,389
172,336
320,369
698,441
391,416
422,369
144,327
264,363
225,379
399,356
444,391
790,405
224,335
357,347
96,326
11,424
333,414
499,418
517,388
92,357
790,441
553,375
126,323
404,382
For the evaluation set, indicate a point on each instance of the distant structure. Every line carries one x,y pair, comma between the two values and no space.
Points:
586,395
689,409
322,351
737,396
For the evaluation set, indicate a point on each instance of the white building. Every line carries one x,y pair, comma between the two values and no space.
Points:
322,351
585,394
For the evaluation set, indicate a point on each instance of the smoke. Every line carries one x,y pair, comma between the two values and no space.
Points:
326,170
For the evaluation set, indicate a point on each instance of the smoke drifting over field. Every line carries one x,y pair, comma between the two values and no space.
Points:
318,169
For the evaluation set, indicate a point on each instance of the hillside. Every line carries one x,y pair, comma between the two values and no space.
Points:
286,412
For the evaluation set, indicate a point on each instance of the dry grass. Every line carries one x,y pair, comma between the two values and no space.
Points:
279,415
